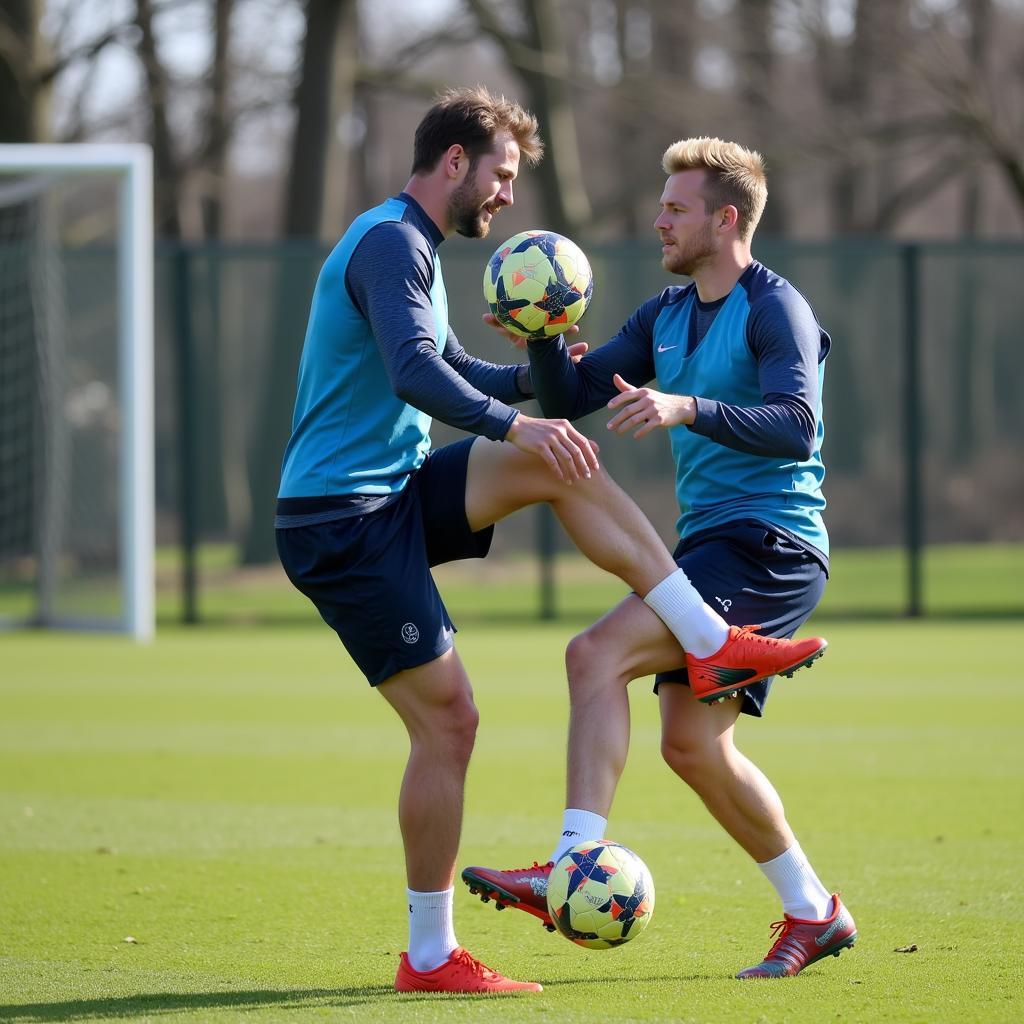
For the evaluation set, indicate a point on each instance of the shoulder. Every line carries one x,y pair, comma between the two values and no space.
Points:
397,237
392,247
771,294
667,299
673,295
779,314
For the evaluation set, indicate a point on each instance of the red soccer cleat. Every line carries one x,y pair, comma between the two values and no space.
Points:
745,658
799,943
522,888
461,972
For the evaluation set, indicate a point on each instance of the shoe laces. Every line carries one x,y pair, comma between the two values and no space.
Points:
751,633
480,970
781,933
535,866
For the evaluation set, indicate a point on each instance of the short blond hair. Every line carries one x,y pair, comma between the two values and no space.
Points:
735,176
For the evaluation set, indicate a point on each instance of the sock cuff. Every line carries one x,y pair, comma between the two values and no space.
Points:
675,593
430,899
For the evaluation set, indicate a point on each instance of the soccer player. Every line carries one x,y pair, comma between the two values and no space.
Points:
365,508
740,358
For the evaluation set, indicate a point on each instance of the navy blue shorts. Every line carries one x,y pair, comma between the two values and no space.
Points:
369,575
751,575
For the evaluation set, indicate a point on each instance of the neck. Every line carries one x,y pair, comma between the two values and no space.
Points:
434,202
719,277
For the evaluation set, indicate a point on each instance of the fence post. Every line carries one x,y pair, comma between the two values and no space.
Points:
187,456
913,470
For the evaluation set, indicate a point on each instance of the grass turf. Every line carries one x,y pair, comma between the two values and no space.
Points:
204,830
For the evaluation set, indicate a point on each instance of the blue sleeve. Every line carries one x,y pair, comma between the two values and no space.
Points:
493,379
389,278
788,344
570,390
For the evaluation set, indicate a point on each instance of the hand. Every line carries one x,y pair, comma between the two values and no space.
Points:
643,409
520,342
567,452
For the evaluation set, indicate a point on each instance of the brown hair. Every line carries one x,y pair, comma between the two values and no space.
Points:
735,176
472,118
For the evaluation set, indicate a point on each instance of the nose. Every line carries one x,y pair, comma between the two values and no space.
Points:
659,222
505,194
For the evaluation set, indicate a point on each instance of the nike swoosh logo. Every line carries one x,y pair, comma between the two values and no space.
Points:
665,348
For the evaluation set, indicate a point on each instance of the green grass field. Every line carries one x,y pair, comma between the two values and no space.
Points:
204,830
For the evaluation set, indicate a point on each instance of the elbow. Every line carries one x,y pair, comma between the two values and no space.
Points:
555,408
803,450
405,392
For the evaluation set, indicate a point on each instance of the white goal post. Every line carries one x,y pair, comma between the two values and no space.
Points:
32,178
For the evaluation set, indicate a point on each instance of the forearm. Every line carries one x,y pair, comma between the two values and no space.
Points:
430,385
781,428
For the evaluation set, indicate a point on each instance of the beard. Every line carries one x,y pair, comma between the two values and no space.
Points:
700,249
466,210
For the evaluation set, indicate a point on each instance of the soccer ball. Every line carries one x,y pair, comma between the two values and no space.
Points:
600,894
538,284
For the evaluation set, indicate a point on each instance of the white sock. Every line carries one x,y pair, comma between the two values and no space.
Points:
577,827
696,625
431,929
798,886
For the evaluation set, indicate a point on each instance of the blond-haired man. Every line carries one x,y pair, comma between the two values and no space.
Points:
739,357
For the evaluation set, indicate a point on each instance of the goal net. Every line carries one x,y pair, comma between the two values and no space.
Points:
76,387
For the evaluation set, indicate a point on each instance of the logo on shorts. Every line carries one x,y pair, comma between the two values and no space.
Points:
726,604
410,633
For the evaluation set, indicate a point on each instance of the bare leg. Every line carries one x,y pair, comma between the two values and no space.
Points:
697,743
629,642
697,740
435,701
603,521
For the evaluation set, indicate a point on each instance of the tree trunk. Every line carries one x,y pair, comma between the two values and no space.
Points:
314,103
18,92
166,171
756,61
540,60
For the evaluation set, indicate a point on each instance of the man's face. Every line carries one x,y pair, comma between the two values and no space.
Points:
486,188
688,239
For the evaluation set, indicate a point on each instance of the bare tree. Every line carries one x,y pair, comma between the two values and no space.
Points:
757,95
19,84
536,52
167,170
319,96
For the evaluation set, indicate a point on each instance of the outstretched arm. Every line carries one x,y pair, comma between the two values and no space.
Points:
569,389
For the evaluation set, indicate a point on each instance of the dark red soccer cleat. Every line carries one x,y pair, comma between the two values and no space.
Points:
799,943
745,658
522,888
461,972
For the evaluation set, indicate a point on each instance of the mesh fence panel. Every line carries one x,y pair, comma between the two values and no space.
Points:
247,310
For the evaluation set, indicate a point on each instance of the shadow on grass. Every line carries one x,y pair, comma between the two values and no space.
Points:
157,1003
153,1004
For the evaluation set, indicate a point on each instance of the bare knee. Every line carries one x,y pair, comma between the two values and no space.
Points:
692,758
444,725
591,663
456,730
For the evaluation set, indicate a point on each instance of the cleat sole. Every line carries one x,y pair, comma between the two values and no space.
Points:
502,897
806,663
